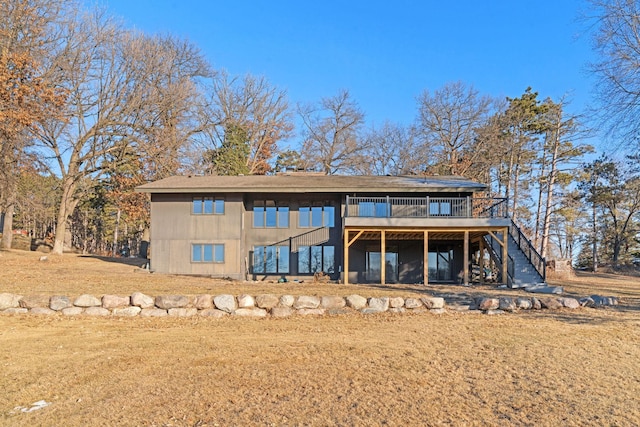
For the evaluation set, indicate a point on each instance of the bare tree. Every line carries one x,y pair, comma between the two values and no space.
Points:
173,71
26,33
448,120
114,96
256,109
331,130
617,42
392,150
488,150
97,113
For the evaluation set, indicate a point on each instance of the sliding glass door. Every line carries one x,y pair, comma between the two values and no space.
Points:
441,263
373,257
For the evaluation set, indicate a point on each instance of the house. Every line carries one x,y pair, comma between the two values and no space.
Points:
356,229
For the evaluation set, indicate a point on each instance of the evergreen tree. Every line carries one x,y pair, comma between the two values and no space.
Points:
231,157
613,190
289,160
521,127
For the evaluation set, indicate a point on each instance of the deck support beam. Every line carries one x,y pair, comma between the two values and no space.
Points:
505,256
383,257
345,255
481,260
425,261
465,268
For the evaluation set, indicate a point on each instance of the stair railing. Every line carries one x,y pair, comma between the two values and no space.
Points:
496,254
527,248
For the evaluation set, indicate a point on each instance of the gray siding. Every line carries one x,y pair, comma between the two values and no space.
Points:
175,228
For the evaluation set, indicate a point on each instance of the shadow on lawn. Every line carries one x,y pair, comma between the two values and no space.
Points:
591,316
134,262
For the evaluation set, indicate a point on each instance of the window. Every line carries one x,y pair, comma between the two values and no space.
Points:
440,208
316,216
374,209
312,259
207,252
373,257
208,206
271,259
304,217
270,215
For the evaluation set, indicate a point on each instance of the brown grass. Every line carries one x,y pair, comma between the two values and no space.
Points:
532,368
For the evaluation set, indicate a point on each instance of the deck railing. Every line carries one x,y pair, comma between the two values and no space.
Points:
426,207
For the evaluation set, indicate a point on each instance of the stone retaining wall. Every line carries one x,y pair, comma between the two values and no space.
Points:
139,304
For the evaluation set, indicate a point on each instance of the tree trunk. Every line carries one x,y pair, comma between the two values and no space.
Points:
7,228
508,182
67,204
514,197
8,190
550,185
85,226
617,244
595,239
543,168
116,231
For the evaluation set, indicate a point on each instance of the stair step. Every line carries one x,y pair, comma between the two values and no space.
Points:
543,288
525,273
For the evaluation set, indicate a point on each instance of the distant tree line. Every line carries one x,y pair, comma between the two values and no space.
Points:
91,109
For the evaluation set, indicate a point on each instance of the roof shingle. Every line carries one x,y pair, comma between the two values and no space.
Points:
309,183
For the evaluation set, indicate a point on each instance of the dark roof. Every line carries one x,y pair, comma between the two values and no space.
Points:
309,183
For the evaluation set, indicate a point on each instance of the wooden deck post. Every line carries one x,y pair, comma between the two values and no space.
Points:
348,241
345,255
383,256
505,256
425,261
465,268
481,260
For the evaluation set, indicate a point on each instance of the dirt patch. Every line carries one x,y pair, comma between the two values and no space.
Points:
561,367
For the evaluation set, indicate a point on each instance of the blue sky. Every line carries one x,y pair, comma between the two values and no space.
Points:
384,52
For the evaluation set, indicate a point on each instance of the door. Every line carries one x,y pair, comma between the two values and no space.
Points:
441,263
372,267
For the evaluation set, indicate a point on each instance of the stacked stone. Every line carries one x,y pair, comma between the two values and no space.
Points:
508,304
139,304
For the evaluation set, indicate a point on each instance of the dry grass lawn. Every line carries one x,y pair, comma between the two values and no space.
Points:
577,367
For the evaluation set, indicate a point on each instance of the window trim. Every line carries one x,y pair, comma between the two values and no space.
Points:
323,261
216,202
328,213
278,249
215,247
266,206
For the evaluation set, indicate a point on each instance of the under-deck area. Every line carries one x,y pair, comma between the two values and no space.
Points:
426,255
420,239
